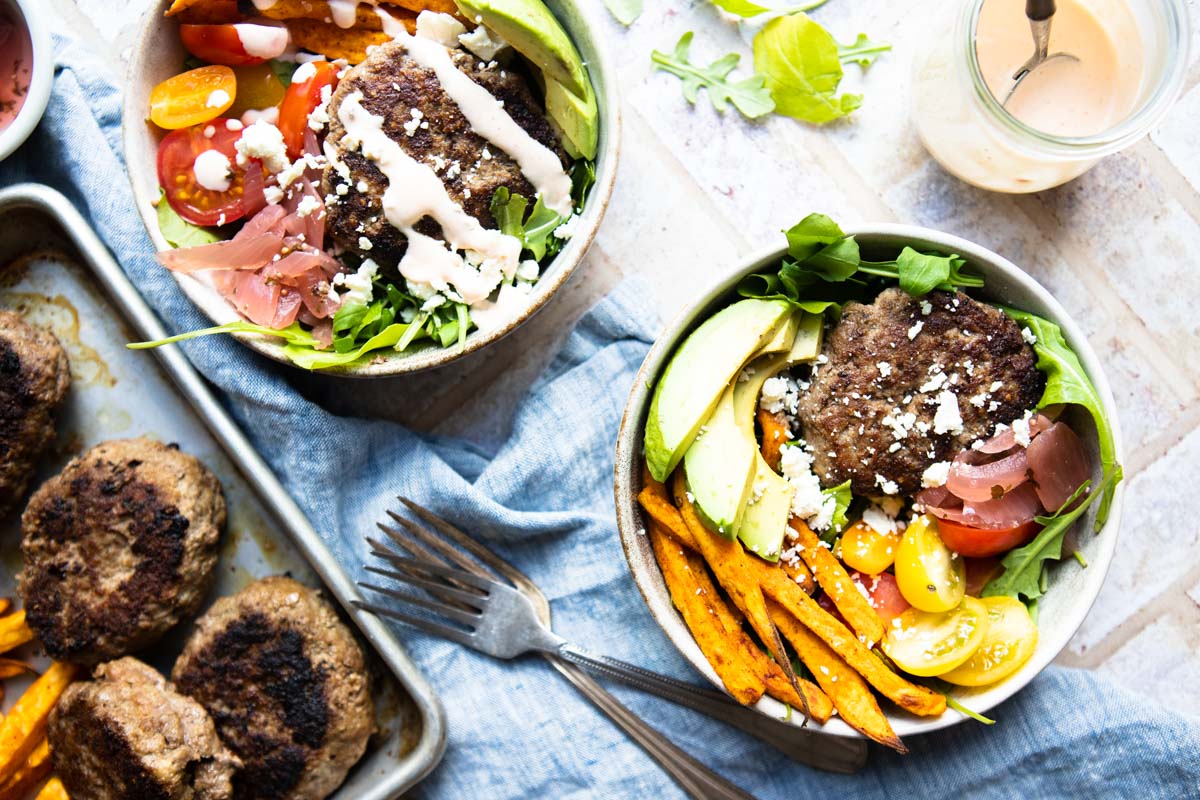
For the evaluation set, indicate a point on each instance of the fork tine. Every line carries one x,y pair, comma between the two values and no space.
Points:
468,619
437,629
483,585
474,601
431,539
468,543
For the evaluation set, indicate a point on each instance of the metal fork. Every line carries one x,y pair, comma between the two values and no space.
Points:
506,622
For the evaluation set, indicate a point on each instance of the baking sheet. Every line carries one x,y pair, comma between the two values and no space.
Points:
57,274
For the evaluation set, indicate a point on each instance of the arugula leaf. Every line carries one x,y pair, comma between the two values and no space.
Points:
509,212
975,715
921,273
1024,568
539,230
179,232
748,95
1067,382
811,234
293,334
283,71
843,496
799,60
746,8
311,359
583,177
863,51
625,11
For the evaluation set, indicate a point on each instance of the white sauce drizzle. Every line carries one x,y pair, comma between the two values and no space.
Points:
415,191
490,315
344,12
262,41
488,118
263,5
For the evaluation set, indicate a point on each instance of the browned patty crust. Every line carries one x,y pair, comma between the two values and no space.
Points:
118,548
34,378
127,735
393,87
895,358
286,683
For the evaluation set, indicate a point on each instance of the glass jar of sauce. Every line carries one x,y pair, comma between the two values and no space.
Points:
1130,63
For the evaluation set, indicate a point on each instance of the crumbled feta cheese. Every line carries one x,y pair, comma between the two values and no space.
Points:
1028,336
1021,433
879,520
358,286
886,485
780,394
567,229
273,194
934,383
947,418
319,118
483,43
996,386
308,204
915,329
926,307
218,98
263,141
936,475
364,243
441,28
528,271
808,501
885,369
304,73
233,125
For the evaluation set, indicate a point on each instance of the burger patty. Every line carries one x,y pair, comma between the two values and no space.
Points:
127,735
286,684
430,128
119,547
34,378
909,382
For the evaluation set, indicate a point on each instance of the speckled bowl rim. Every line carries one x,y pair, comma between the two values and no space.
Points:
41,77
140,159
1068,603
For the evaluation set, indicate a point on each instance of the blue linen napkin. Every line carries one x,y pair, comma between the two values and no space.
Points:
544,497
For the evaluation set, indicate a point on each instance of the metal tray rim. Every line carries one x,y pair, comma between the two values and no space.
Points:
431,746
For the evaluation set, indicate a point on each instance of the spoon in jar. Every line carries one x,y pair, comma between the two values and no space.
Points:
1040,14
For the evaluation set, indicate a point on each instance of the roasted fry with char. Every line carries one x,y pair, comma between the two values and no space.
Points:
25,725
29,774
833,578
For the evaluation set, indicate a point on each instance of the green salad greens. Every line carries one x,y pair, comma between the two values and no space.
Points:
748,95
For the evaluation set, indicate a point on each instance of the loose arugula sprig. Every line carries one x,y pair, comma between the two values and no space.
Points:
625,12
862,51
825,269
746,8
799,60
748,95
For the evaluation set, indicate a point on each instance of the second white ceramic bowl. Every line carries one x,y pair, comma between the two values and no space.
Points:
158,54
30,13
1072,588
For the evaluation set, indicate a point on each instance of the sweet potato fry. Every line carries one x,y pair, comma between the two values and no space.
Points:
206,12
417,6
850,694
834,579
798,571
36,767
333,42
696,598
53,790
5,605
735,572
917,699
775,434
25,724
653,498
14,632
11,668
319,11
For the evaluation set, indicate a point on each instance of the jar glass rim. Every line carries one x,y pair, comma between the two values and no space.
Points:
1140,120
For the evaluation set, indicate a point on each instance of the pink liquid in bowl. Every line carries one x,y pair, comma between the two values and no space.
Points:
16,64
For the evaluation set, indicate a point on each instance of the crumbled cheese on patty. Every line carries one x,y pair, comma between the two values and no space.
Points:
936,475
263,141
441,28
809,503
483,43
947,418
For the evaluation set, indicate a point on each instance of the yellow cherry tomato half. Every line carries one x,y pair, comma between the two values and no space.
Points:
930,576
257,88
925,643
867,550
1010,640
193,98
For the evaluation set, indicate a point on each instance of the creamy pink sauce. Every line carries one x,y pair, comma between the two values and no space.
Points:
16,64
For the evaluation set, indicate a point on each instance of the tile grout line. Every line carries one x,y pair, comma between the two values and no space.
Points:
1164,171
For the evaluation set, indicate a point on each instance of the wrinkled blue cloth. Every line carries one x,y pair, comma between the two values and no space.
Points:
544,497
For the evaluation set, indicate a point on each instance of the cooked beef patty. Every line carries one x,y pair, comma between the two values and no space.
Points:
119,547
910,382
286,683
127,735
410,98
34,377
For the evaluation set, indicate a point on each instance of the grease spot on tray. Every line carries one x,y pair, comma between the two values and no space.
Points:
60,317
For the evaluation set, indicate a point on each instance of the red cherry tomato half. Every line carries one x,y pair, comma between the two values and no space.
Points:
982,542
176,174
237,45
883,593
300,101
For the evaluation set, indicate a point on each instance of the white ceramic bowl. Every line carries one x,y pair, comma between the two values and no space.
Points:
1072,589
158,54
40,79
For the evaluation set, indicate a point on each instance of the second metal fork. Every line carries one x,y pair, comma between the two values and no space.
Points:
497,619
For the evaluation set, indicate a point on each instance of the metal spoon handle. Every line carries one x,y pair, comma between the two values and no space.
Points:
1038,10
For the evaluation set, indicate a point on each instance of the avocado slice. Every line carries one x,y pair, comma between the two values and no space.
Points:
719,467
577,119
699,373
764,521
529,27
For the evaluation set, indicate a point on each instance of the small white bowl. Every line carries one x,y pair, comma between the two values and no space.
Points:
1072,589
41,75
158,54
